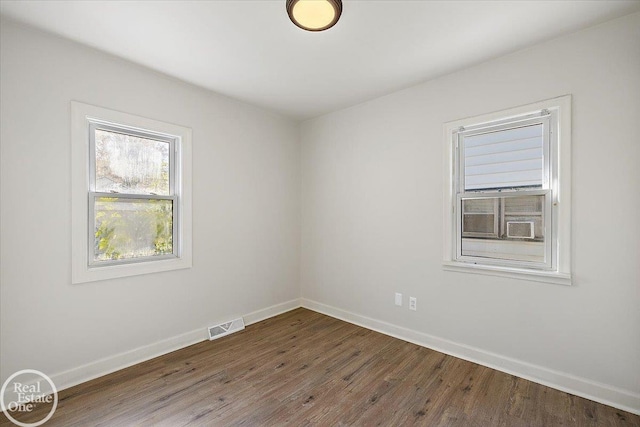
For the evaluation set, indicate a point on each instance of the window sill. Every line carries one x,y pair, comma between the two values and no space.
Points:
93,274
513,273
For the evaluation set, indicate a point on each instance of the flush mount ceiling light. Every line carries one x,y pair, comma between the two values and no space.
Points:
314,15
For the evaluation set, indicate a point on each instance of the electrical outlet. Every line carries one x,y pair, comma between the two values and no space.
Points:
413,302
398,299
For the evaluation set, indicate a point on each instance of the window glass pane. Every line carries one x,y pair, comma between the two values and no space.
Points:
132,228
486,205
520,235
526,209
479,217
480,223
510,158
131,164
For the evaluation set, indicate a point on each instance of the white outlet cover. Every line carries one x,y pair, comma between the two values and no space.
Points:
413,302
398,298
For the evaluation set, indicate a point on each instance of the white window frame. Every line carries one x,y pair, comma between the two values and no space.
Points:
556,188
85,119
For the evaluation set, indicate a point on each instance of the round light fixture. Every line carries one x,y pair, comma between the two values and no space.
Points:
314,15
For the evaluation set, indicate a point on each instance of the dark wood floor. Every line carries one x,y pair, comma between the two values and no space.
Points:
303,368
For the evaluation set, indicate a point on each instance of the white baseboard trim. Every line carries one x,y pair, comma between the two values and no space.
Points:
110,364
602,393
274,310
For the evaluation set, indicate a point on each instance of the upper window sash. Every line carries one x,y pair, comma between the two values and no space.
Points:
172,140
542,118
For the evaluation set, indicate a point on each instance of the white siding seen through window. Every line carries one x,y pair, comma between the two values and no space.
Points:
504,159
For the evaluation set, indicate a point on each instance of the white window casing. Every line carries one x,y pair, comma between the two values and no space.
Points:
507,195
85,120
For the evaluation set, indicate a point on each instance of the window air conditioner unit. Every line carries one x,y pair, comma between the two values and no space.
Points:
520,229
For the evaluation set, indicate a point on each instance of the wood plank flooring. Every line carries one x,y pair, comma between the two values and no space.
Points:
306,369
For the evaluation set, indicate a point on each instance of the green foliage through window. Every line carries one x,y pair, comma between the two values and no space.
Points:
130,228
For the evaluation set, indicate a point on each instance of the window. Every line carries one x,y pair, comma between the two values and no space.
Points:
504,214
131,195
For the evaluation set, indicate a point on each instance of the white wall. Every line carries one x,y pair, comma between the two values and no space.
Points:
371,221
372,191
246,214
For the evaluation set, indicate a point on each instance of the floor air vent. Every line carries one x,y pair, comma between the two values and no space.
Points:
227,328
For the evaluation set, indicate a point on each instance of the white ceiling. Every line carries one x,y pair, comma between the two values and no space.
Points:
251,51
